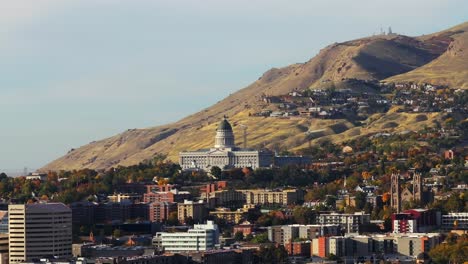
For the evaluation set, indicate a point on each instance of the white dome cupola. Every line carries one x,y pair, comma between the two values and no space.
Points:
224,136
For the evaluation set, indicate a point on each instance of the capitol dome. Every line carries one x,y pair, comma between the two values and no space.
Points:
224,125
224,138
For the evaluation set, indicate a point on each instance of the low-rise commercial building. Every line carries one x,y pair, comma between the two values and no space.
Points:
225,198
200,238
233,217
119,197
172,196
350,223
415,221
288,233
99,251
409,245
298,248
246,228
325,246
455,221
89,213
273,197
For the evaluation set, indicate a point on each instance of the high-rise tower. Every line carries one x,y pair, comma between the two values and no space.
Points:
39,230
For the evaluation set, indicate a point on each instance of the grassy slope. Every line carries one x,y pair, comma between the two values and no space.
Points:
368,58
451,68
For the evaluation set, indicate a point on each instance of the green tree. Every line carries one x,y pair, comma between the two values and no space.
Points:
117,233
216,171
304,215
3,176
454,251
260,238
273,255
239,236
360,199
84,230
227,233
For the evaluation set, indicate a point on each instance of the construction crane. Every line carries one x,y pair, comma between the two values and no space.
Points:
244,127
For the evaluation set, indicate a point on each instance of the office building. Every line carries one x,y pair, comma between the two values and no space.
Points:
326,246
455,221
171,196
191,209
270,197
415,221
224,198
403,245
350,223
288,233
39,230
160,211
200,238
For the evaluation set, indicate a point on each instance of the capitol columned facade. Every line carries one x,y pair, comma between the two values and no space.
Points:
225,154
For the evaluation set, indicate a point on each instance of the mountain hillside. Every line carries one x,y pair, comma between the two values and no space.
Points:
451,68
368,59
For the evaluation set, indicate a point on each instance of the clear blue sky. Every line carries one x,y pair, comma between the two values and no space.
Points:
77,71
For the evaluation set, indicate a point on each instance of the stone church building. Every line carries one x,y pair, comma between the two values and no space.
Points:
413,193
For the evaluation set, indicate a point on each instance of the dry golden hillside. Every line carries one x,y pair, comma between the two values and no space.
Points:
372,58
451,68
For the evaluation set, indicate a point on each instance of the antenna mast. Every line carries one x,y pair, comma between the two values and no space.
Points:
244,127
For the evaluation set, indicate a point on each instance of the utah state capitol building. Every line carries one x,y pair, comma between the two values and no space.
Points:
225,154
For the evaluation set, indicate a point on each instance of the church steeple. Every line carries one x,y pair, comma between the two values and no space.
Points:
224,138
395,192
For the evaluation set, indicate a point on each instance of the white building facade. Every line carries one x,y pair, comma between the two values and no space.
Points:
457,220
349,222
225,154
201,238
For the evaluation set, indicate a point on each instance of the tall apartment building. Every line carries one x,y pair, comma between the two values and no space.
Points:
265,197
349,222
325,246
38,230
194,210
160,211
172,196
225,198
288,233
201,238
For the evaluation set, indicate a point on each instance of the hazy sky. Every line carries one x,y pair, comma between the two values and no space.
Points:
77,71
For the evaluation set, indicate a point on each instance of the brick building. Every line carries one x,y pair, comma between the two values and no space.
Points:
160,211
